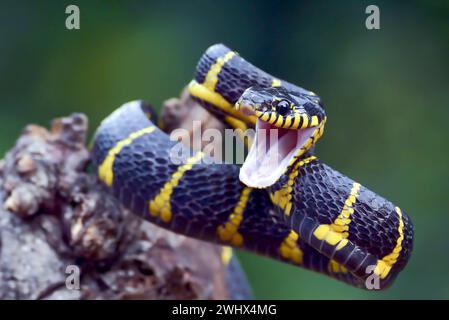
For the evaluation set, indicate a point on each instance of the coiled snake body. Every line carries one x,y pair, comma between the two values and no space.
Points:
297,210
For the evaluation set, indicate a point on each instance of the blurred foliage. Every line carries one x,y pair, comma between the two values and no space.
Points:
386,94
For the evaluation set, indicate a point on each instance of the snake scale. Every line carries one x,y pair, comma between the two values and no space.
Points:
297,210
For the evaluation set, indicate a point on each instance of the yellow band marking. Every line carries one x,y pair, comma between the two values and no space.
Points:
279,121
276,82
273,118
265,116
325,232
160,205
105,170
336,234
283,197
305,121
296,121
236,123
289,248
217,100
314,121
226,255
386,263
211,78
288,122
309,143
334,267
228,232
341,223
342,243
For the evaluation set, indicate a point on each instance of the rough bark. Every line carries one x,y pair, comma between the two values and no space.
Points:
54,214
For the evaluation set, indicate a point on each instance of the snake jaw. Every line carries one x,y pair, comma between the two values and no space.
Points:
288,124
273,151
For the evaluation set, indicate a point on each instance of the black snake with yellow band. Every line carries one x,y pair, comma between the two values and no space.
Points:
310,216
204,201
341,219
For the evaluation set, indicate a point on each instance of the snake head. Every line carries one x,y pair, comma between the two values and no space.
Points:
288,125
281,107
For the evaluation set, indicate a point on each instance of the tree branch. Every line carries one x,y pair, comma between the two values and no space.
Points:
56,214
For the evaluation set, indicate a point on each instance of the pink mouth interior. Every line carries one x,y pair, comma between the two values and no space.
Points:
271,153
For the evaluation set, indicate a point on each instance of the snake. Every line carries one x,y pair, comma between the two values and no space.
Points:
283,202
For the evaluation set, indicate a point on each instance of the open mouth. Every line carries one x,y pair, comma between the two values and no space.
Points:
271,153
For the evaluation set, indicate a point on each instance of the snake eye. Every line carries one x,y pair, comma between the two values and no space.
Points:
283,107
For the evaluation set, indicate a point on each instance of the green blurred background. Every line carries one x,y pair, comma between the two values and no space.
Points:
386,94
